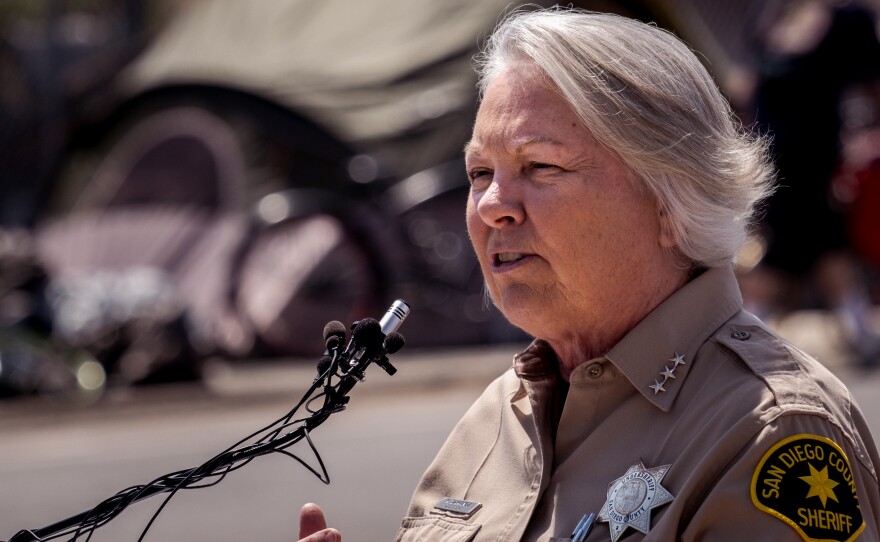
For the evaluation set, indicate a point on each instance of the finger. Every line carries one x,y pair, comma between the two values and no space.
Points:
326,535
311,520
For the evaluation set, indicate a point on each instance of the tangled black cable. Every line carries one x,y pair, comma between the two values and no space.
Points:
338,372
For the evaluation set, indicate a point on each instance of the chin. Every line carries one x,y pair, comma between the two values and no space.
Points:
525,309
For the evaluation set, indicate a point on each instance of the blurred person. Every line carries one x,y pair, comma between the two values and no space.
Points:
811,53
610,189
856,183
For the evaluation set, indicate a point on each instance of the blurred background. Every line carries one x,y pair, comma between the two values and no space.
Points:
189,188
207,179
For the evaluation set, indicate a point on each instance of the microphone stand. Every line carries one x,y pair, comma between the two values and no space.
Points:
367,345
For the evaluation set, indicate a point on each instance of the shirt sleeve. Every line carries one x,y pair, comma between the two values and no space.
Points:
799,479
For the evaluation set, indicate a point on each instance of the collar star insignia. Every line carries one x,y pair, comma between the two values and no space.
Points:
668,373
658,387
632,497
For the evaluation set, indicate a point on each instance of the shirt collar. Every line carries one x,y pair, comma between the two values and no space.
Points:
538,361
676,329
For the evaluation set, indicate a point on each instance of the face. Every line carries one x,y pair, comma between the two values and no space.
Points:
566,244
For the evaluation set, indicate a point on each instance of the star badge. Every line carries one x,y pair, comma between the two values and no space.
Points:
632,497
657,387
677,359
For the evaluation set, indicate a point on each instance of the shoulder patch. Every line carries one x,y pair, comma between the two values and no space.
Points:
807,482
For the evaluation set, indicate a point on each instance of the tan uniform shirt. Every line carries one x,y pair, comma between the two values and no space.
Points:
760,440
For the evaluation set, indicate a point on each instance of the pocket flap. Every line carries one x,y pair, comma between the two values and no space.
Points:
436,529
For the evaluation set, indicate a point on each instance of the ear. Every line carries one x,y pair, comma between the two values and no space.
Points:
666,237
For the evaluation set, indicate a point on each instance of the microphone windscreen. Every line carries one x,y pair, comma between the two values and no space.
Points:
334,329
394,342
367,333
324,364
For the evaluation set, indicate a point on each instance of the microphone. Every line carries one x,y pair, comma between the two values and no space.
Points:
394,342
334,334
367,333
334,337
397,312
370,337
324,364
366,336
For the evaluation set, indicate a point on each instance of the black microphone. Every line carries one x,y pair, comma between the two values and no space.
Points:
367,333
324,364
334,334
394,342
334,337
366,339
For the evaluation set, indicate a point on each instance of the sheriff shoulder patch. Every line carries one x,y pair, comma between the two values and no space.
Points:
807,482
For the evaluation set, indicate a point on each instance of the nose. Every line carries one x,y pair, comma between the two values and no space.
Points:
501,204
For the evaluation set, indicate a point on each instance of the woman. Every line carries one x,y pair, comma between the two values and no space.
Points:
610,188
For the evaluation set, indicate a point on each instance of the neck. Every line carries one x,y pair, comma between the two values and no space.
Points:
583,345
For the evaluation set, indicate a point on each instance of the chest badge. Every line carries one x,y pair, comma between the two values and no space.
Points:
632,497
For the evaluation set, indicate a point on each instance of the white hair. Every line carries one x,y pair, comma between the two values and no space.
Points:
644,95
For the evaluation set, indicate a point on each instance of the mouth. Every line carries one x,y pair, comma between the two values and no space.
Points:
507,257
506,260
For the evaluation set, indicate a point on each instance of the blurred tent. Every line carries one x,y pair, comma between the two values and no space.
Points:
391,78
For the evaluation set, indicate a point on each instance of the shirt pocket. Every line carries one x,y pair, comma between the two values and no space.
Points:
436,529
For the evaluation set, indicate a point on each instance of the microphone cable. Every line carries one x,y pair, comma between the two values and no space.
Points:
341,367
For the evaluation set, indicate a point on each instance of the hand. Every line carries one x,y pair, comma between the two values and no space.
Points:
313,526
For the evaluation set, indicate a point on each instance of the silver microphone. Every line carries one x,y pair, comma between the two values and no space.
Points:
396,314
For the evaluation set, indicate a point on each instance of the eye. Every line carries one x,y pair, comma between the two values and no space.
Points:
477,174
542,165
